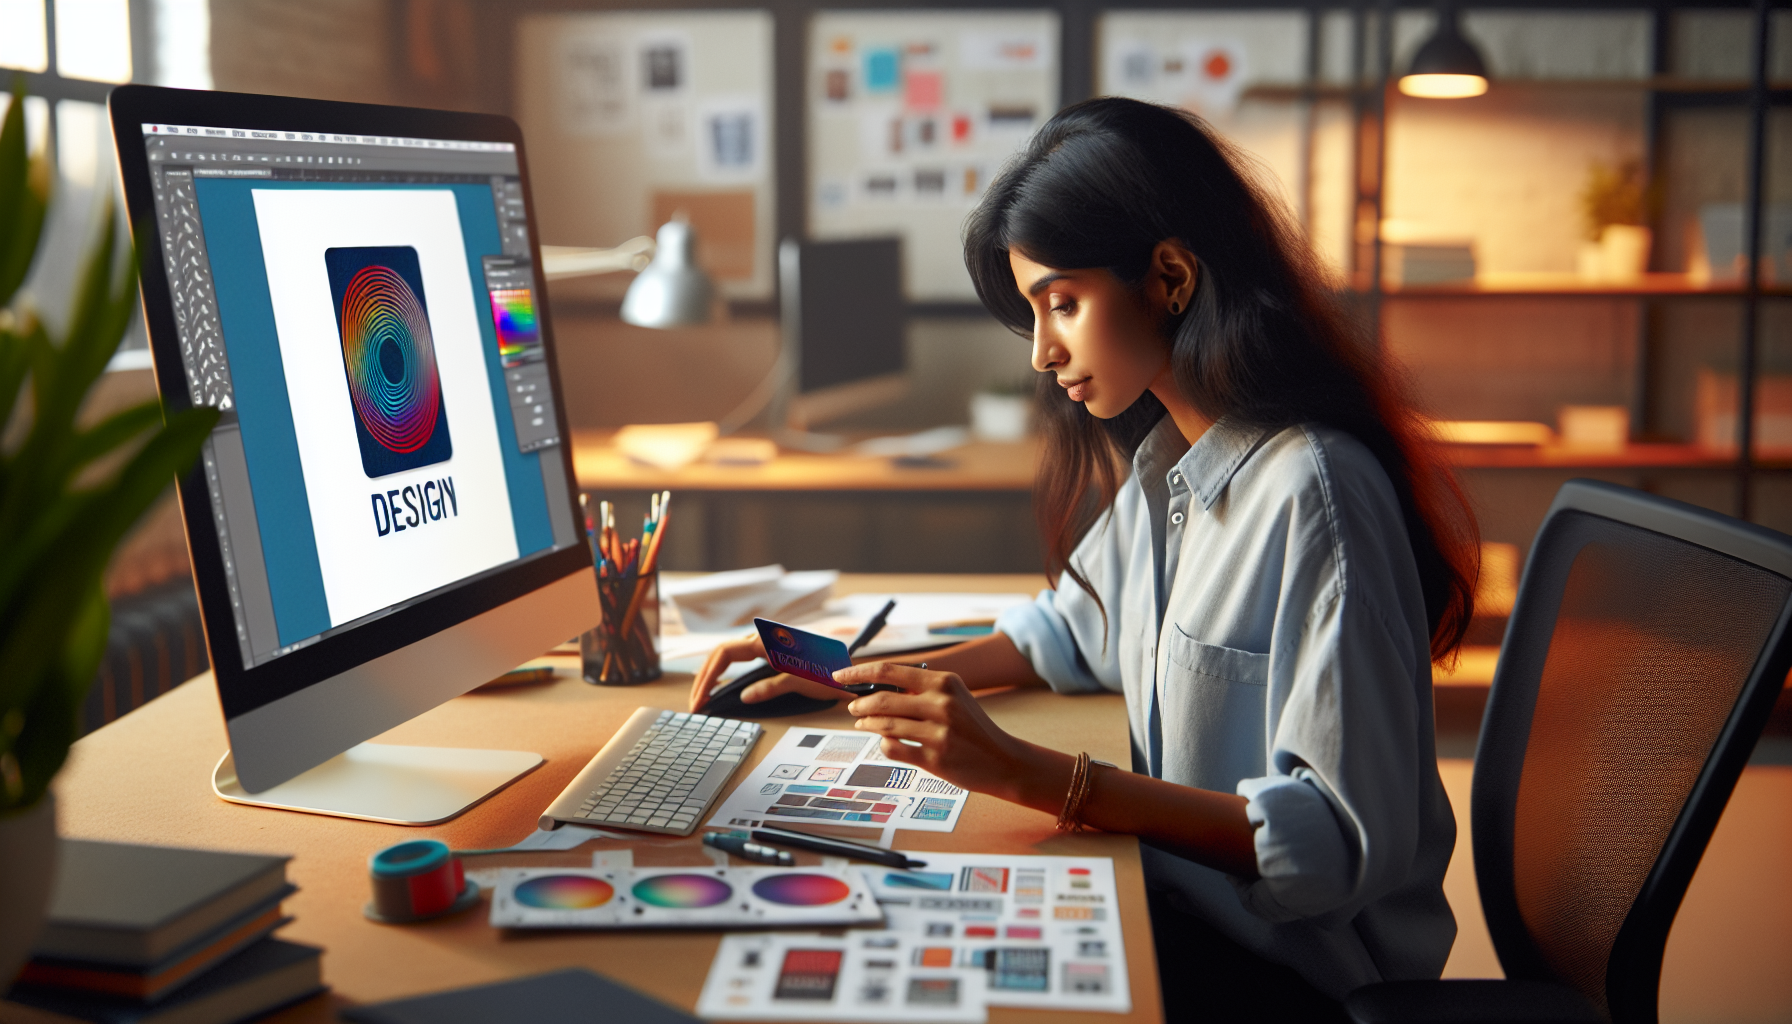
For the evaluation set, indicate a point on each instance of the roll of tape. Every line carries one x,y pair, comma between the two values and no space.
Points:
417,880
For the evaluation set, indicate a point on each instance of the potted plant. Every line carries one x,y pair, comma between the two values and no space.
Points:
1615,204
69,491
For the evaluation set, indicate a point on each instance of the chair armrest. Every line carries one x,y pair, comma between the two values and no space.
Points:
1469,1001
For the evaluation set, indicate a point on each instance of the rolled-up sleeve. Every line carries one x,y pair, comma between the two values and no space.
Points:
1045,639
1072,640
1302,858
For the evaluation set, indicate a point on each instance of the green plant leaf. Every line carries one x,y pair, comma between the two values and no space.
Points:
112,432
16,356
75,555
24,196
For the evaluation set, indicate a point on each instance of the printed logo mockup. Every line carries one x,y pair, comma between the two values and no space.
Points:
389,358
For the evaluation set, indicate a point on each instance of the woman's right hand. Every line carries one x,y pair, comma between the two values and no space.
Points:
748,648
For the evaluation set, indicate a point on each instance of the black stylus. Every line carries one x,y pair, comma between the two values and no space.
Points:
837,847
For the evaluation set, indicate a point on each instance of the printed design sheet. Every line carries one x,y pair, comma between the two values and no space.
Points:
839,777
612,894
1042,931
870,976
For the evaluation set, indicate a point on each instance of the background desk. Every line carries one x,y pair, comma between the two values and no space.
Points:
972,513
145,779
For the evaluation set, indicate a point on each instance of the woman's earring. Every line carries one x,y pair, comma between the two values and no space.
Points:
1175,308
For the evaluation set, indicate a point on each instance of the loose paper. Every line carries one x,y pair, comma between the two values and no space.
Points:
1041,931
839,777
872,977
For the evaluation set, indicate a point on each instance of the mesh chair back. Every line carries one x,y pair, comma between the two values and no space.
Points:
1639,667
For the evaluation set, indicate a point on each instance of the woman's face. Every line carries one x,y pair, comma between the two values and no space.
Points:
1102,338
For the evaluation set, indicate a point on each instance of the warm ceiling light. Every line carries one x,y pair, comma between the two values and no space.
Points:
1443,87
1447,67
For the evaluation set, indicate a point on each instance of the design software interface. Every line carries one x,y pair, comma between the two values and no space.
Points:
363,311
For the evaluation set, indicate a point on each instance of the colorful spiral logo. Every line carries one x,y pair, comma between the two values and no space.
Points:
390,358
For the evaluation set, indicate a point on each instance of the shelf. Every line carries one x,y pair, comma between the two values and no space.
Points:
1633,456
1552,284
1289,93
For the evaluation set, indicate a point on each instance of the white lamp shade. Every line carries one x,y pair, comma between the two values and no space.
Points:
673,291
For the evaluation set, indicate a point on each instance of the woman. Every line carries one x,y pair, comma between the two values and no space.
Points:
1268,586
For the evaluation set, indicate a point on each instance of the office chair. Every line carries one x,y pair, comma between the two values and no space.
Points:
1642,659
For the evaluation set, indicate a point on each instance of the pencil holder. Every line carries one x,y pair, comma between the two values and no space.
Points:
624,649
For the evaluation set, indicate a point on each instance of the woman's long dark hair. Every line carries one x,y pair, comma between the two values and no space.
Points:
1262,342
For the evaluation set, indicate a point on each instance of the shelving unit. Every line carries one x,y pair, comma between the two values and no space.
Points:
1687,470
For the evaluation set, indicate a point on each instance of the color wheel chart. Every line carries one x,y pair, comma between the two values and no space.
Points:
684,892
609,896
802,890
565,892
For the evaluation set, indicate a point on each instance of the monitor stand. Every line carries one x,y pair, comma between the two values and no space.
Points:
382,782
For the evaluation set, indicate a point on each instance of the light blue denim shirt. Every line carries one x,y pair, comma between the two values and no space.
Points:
1265,621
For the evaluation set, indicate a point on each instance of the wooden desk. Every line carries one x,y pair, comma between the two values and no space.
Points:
977,466
808,511
145,778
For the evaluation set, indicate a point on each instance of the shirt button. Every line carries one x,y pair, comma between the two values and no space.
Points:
1176,479
1176,517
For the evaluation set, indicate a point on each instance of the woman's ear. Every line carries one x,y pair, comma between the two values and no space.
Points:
1174,273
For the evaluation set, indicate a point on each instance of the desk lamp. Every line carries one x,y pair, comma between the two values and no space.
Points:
1447,67
673,291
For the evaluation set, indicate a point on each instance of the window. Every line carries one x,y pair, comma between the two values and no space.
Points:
73,52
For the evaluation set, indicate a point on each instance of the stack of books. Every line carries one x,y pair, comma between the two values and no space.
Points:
1410,264
143,934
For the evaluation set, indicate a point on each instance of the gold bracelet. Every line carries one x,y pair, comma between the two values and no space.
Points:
1082,780
1070,819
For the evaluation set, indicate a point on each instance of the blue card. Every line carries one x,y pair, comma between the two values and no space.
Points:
802,653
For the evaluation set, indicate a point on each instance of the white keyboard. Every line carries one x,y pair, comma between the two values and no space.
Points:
659,773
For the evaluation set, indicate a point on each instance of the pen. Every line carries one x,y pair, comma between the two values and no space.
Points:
837,847
751,851
872,628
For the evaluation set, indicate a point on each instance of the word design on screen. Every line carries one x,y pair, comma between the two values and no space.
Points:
389,357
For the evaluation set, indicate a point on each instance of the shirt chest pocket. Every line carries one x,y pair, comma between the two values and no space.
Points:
1214,718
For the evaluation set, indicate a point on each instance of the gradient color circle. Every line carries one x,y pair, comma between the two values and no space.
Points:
564,892
391,359
802,890
682,892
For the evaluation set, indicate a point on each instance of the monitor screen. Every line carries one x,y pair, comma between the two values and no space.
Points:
851,312
365,311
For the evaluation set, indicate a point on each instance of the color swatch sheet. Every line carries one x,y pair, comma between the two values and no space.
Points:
1042,931
714,897
869,976
839,777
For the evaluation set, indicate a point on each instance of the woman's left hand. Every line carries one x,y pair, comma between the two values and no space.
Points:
956,739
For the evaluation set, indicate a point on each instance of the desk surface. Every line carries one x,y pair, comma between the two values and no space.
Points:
145,778
978,466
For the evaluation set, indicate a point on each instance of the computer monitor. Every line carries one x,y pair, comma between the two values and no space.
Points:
843,317
386,514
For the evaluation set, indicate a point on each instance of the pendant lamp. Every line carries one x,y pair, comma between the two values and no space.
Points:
1447,67
673,291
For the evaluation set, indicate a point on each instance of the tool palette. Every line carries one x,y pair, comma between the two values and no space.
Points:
710,897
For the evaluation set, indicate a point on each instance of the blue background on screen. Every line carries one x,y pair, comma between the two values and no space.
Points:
246,314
